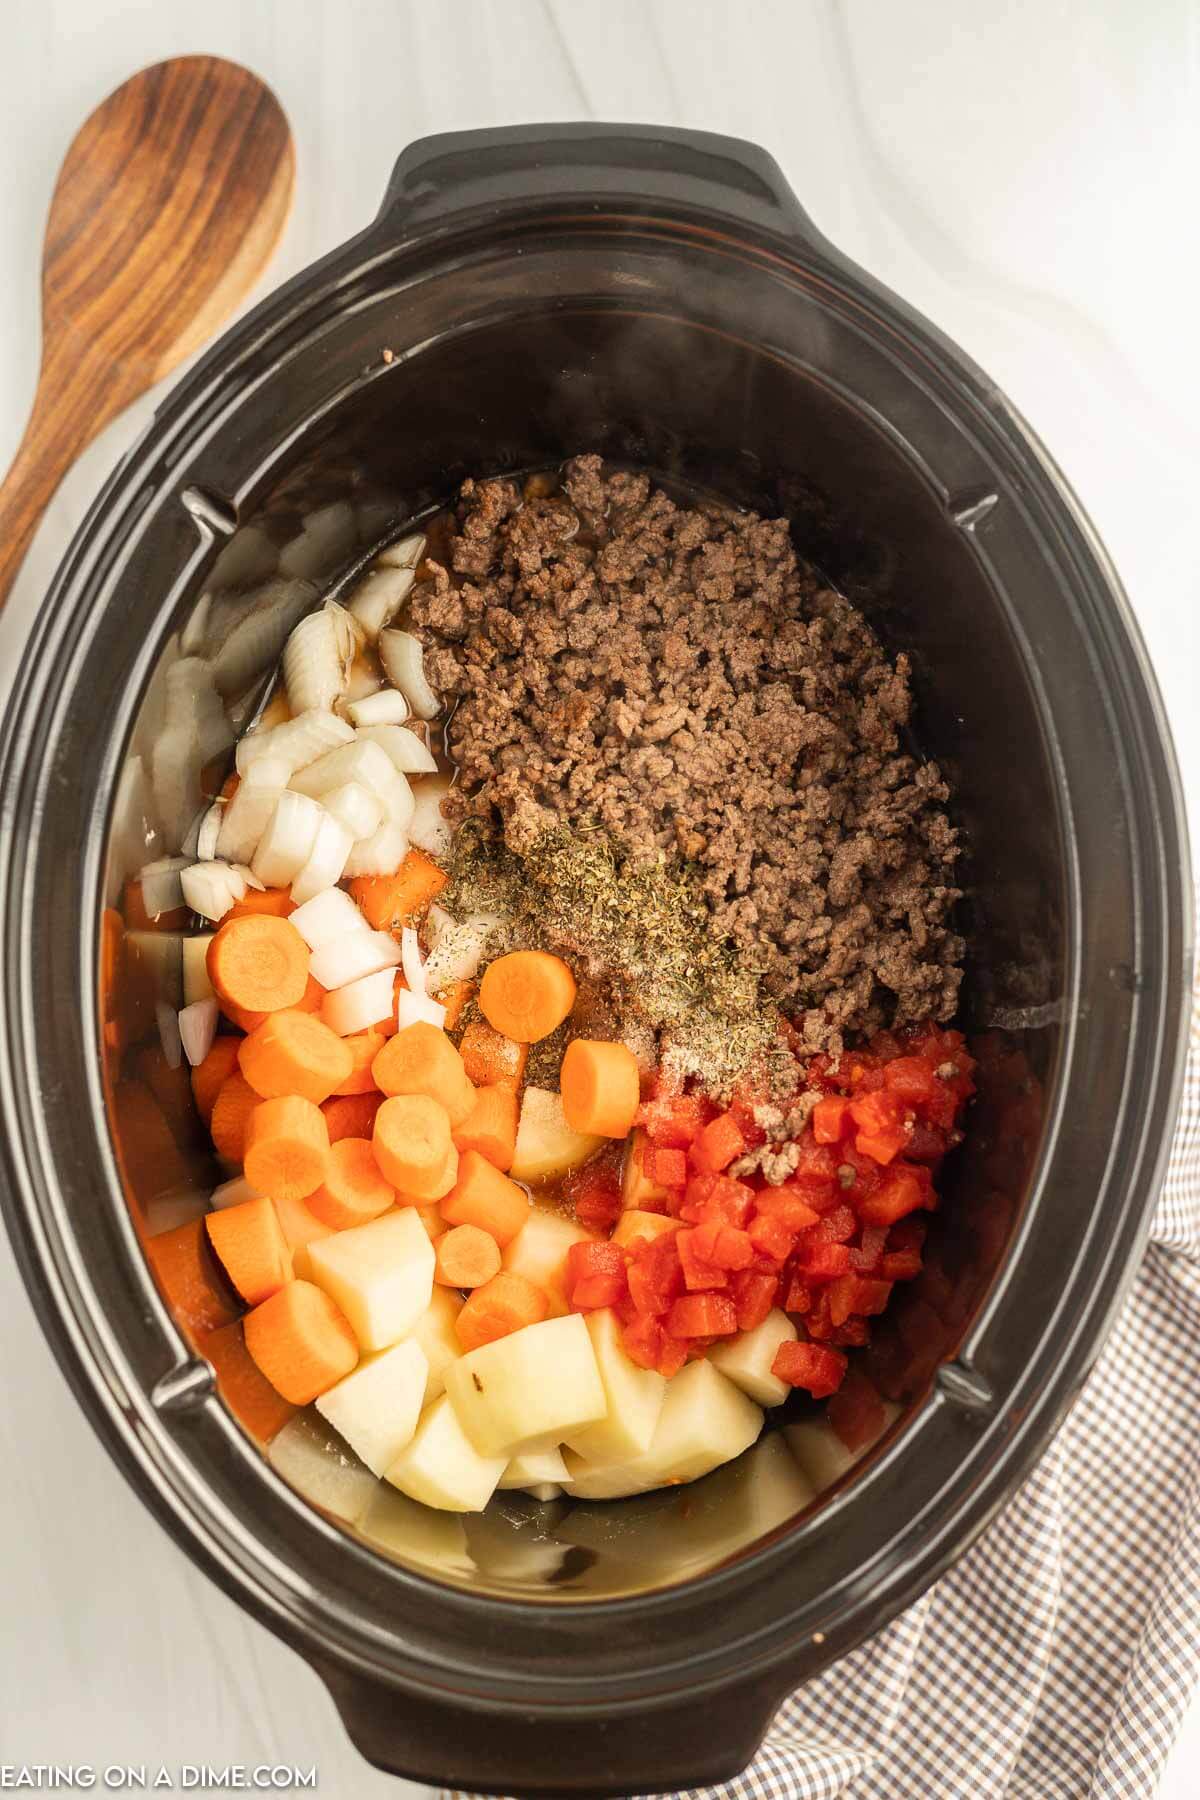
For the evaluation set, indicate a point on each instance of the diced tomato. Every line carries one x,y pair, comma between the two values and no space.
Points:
824,1262
655,1274
724,1246
711,1197
799,1296
868,1255
856,1411
817,1322
926,1144
668,1167
595,1275
647,1344
810,1366
850,1333
771,1237
788,1204
836,1227
902,1193
743,1106
816,1164
831,1119
857,1294
718,1144
698,1273
673,1120
754,1294
876,1114
941,1108
910,1078
595,1193
702,1315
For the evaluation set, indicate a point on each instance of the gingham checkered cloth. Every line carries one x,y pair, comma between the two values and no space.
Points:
1054,1662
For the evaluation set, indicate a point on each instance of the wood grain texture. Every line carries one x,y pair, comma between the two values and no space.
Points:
168,205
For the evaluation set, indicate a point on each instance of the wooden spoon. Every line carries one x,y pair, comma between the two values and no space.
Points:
167,208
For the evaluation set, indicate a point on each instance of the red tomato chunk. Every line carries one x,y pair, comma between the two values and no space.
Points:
810,1366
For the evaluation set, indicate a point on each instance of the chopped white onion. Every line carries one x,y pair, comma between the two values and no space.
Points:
330,915
324,538
360,1004
326,861
210,831
196,985
544,1491
378,598
162,889
403,659
232,1193
249,812
297,742
410,960
364,679
313,670
458,951
381,853
418,1009
387,707
197,1029
211,888
348,958
287,843
355,807
405,554
175,774
427,828
265,616
168,1033
408,753
249,877
371,767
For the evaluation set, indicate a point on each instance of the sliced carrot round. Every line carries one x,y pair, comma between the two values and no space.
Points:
422,1060
294,1052
527,994
247,1021
301,1341
258,963
256,903
233,1108
287,1147
600,1087
505,1304
413,1148
208,1076
354,1190
483,1196
251,1248
364,1047
491,1126
351,1115
466,1257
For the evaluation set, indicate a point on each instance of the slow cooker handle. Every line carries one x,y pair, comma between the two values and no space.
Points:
441,178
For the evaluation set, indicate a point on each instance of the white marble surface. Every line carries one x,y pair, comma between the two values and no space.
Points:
1025,174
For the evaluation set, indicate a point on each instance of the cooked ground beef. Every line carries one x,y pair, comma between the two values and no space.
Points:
674,674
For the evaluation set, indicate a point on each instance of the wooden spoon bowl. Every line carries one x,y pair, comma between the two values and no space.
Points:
169,203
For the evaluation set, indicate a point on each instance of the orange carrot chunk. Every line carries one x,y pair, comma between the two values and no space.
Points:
235,1103
191,1281
483,1196
454,998
490,1058
251,1248
258,963
364,1047
354,1191
242,1386
255,903
351,1115
600,1087
505,1304
294,1052
287,1147
466,1257
491,1126
389,901
422,1060
527,994
209,1076
301,1341
245,1020
412,1147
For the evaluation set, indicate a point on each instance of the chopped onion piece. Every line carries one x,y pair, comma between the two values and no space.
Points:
403,659
288,841
364,680
211,888
326,917
409,754
404,554
210,831
355,807
297,741
381,853
313,670
249,877
232,1193
253,644
194,955
348,958
197,1029
326,861
359,761
360,1004
387,707
458,951
249,812
168,1032
378,598
410,959
415,1009
162,888
427,828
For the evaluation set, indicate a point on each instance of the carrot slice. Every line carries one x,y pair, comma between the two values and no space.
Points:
208,1076
251,1248
364,1047
454,999
258,963
466,1257
242,1386
422,1060
490,1058
413,1148
294,1052
483,1196
600,1088
256,903
300,1341
287,1147
431,1218
527,994
505,1304
190,1279
247,1021
354,1191
235,1104
351,1115
491,1125
389,901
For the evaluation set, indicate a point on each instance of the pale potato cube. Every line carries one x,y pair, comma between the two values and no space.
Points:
381,1275
705,1421
535,1469
442,1468
528,1390
635,1399
434,1332
298,1225
636,1186
539,1253
315,1462
747,1358
196,985
546,1145
376,1407
636,1224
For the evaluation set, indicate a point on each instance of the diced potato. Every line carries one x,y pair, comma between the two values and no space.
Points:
434,1332
315,1462
381,1275
705,1421
535,1468
634,1224
196,985
636,1186
442,1468
539,1252
528,1390
821,1453
376,1407
544,1491
747,1358
299,1226
635,1400
546,1145
433,1540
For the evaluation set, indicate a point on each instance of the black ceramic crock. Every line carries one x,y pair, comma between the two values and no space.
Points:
658,296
